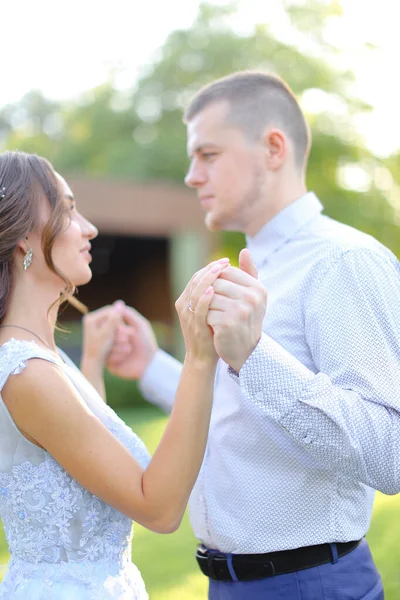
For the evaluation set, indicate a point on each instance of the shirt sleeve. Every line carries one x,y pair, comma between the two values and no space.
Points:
346,414
160,380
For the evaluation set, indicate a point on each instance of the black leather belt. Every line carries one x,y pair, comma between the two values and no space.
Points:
246,567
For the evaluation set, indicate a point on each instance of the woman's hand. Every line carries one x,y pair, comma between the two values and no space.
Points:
192,308
134,345
99,328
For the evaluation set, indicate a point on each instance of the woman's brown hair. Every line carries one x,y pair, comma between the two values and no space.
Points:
24,180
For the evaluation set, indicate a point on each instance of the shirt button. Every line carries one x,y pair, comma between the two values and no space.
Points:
307,439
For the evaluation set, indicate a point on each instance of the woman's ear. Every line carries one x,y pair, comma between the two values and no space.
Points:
23,245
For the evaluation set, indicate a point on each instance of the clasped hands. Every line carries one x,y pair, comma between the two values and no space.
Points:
120,338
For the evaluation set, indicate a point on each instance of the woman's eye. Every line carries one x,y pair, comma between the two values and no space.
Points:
208,155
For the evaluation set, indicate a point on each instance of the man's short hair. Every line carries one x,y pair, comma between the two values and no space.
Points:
256,100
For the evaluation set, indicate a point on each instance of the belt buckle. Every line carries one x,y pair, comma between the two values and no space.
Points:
211,557
202,549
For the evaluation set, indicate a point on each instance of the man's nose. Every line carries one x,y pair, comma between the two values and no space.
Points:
194,177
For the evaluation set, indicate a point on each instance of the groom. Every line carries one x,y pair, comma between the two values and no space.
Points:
308,422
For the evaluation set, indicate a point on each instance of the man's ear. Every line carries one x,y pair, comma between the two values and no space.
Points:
276,148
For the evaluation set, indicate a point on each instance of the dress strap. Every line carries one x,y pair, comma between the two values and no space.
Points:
14,356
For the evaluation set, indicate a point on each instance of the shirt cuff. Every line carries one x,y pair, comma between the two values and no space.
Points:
160,380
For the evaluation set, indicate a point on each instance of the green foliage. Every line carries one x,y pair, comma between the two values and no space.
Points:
122,393
140,135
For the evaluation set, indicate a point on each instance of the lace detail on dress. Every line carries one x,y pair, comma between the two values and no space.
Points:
64,541
71,580
48,516
14,355
130,440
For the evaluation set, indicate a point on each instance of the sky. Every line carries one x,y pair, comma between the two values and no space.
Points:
65,48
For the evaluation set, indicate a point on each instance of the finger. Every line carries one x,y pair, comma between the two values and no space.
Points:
121,332
187,294
237,293
131,316
227,288
209,277
119,304
246,263
121,342
124,330
110,322
238,276
203,305
94,315
113,319
215,317
122,347
117,357
100,320
113,316
197,276
114,360
222,303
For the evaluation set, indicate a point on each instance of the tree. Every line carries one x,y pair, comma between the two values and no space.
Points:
141,135
210,49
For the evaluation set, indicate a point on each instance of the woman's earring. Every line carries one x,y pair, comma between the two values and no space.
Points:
28,259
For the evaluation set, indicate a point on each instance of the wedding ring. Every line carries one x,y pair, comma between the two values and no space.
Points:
191,306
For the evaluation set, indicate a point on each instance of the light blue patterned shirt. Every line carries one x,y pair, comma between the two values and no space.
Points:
312,423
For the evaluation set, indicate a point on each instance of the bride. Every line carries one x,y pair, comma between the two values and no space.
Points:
73,476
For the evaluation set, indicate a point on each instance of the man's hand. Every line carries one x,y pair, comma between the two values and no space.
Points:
134,345
237,312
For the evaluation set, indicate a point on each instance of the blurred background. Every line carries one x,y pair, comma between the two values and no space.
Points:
99,89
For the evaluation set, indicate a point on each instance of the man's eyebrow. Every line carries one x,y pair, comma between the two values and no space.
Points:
201,147
69,197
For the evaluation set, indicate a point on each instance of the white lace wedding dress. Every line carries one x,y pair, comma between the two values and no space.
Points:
65,543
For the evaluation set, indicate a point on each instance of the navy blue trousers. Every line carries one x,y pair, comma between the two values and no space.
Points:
352,577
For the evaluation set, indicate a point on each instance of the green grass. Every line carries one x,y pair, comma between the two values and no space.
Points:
167,562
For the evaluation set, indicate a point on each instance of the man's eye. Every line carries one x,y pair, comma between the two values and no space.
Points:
208,155
72,207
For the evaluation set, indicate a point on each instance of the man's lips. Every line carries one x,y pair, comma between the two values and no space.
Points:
206,201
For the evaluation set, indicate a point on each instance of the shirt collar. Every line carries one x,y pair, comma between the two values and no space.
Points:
283,227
